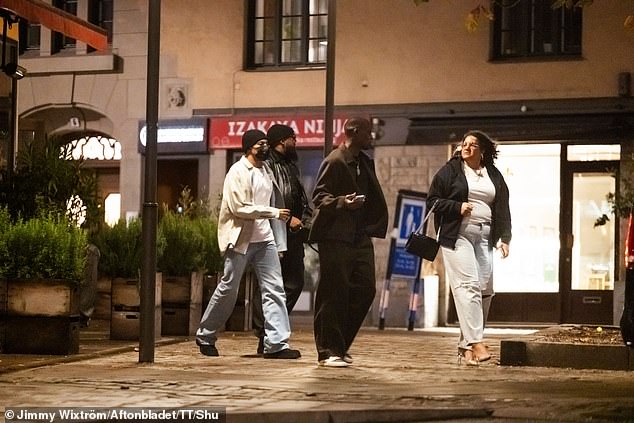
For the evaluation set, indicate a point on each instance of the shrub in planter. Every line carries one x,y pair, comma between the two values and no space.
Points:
44,268
45,248
207,226
183,245
119,249
4,251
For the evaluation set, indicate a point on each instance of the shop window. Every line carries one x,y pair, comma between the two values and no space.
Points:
287,33
534,30
534,200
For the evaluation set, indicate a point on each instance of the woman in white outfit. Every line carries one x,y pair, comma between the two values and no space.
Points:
473,213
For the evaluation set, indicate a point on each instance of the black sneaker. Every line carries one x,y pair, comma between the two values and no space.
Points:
208,350
260,349
287,354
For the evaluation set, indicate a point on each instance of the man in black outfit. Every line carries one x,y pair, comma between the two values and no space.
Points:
283,170
349,209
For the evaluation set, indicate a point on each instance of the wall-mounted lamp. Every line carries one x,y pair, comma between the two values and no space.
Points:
14,70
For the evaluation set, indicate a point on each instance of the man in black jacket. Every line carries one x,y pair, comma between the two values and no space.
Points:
282,167
349,209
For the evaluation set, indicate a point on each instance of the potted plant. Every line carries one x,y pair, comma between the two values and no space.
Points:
45,259
189,256
182,263
120,248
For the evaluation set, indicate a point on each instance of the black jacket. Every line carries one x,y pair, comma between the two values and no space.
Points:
335,180
287,176
450,189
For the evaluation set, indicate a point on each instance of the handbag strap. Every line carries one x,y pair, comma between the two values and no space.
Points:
420,227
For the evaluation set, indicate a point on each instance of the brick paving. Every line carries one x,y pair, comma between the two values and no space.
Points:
395,371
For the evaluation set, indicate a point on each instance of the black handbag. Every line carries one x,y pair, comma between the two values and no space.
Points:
420,244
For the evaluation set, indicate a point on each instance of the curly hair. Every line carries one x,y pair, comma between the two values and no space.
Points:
488,147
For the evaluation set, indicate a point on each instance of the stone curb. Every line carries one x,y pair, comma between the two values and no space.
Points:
360,416
31,364
515,352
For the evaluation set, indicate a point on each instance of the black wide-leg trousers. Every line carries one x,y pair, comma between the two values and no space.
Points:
345,292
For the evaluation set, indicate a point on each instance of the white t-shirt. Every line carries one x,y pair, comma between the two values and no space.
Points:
262,189
481,195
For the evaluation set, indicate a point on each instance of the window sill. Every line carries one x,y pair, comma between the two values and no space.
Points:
536,59
319,67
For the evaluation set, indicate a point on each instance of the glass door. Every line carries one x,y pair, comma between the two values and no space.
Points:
593,249
588,251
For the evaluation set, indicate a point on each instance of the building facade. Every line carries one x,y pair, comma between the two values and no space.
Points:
556,94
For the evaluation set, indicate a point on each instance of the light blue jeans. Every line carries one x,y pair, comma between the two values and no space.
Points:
469,268
265,261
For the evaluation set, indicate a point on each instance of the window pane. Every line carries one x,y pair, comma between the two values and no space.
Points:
318,27
33,37
571,32
291,28
593,248
292,7
265,8
318,7
100,13
259,29
589,153
317,51
291,51
264,53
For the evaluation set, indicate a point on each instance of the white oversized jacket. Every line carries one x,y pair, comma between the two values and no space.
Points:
238,211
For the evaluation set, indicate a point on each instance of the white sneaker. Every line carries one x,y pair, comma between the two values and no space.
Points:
333,361
347,358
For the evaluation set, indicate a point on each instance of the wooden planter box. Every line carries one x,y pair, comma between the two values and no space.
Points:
126,304
242,314
40,316
182,304
103,306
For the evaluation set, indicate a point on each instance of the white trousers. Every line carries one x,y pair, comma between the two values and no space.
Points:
469,268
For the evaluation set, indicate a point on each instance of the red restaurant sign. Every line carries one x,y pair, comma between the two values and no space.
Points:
227,132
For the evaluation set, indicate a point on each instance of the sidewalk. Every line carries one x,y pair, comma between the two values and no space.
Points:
397,376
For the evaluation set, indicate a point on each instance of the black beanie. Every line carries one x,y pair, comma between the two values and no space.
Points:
251,137
277,133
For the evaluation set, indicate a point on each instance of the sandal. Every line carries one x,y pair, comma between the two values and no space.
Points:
468,357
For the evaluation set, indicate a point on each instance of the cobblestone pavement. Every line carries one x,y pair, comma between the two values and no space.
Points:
394,370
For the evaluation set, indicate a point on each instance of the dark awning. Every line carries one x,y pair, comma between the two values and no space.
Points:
37,11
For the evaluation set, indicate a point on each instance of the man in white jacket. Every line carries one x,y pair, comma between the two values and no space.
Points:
250,231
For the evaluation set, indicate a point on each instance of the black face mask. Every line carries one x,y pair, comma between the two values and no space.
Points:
262,153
